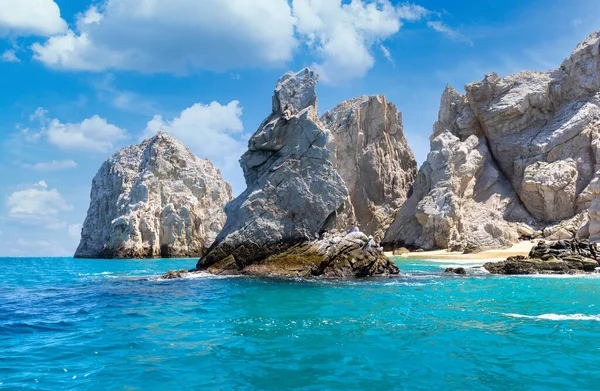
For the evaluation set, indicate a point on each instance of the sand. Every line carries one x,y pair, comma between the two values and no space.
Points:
521,248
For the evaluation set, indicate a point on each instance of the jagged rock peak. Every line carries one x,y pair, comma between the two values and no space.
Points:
296,92
373,158
294,196
154,199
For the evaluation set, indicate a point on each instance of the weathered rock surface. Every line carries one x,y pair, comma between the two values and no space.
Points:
335,255
521,149
154,199
294,196
373,158
560,257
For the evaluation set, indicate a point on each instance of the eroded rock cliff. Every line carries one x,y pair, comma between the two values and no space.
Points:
154,199
514,155
373,158
295,196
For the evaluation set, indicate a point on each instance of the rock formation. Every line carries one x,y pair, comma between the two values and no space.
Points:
373,158
561,257
155,199
279,225
515,156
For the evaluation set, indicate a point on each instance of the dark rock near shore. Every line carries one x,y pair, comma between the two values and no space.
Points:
173,274
335,255
560,257
458,270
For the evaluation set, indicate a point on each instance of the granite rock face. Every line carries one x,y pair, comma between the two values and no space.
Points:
154,199
373,158
528,146
295,196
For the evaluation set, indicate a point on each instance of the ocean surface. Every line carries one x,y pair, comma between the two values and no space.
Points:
69,324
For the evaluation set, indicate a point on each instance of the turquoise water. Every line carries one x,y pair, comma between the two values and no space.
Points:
70,324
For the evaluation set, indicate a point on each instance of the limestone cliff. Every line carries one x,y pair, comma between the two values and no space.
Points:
513,156
373,158
294,197
155,199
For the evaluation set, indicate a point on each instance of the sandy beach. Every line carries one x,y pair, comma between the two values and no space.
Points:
521,248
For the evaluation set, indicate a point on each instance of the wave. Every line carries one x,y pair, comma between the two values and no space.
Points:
556,317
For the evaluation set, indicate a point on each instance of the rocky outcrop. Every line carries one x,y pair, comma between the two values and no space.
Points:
561,257
514,154
335,255
155,199
373,158
294,197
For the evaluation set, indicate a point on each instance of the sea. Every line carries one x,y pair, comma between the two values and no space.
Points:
68,324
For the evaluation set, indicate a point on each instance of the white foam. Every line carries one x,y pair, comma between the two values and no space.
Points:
556,317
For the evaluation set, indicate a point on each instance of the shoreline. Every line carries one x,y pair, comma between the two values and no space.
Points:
521,248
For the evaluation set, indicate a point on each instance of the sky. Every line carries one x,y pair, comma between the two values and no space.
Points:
80,79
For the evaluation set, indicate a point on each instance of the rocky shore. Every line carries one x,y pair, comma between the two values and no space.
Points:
335,255
560,257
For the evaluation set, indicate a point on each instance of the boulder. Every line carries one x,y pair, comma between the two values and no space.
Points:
560,257
458,270
154,199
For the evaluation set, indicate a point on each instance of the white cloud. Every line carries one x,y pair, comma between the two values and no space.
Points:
211,131
30,17
175,36
38,248
54,165
74,230
183,36
386,53
94,134
10,56
342,34
451,33
36,205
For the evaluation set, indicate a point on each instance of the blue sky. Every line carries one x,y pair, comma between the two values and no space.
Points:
81,79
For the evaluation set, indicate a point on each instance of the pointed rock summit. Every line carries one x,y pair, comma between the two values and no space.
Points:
292,218
154,199
515,157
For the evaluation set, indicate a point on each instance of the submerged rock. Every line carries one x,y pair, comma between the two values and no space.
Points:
561,257
513,152
154,199
295,195
458,270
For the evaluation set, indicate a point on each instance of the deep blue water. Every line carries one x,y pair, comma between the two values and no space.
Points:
70,324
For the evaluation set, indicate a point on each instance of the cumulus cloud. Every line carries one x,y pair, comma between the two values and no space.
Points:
36,205
211,131
94,134
30,17
182,36
10,56
54,165
174,36
343,35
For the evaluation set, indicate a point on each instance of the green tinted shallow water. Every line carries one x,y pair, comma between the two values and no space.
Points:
94,324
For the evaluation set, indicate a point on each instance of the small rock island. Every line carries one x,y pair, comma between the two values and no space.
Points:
154,199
